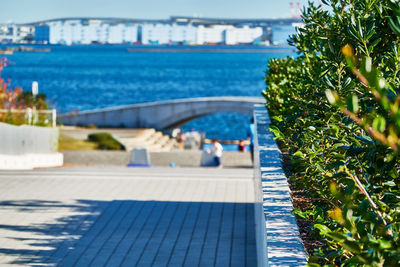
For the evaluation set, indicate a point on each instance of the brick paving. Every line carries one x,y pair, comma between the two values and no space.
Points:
127,217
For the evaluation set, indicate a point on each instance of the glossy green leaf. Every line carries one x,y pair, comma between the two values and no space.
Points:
323,229
379,124
352,103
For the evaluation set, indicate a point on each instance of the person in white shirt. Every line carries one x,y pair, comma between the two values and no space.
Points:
216,151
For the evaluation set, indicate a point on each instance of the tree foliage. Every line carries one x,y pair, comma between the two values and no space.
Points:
15,99
335,110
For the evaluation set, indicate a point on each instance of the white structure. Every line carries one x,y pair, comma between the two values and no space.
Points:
28,147
155,34
245,35
16,33
96,31
74,32
167,34
211,35
229,35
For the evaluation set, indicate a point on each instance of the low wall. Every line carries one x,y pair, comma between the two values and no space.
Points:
180,158
278,238
27,147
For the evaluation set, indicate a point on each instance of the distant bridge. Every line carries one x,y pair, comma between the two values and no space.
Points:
176,19
162,114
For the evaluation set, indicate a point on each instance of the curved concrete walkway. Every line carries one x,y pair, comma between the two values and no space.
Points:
127,217
162,114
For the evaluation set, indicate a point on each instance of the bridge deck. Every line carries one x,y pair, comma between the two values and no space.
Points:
127,217
161,114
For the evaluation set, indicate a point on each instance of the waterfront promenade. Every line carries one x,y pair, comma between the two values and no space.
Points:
127,217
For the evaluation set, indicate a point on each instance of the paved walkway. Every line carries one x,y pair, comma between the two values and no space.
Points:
127,217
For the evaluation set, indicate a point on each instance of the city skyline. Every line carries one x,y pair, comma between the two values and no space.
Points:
49,9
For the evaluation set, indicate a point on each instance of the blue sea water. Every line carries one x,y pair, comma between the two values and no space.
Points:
226,147
90,77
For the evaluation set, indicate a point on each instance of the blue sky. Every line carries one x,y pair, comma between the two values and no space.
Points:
20,11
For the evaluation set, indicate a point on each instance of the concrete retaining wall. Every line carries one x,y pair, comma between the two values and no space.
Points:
27,147
278,238
183,158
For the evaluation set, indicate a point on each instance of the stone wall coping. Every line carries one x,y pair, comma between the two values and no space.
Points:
278,238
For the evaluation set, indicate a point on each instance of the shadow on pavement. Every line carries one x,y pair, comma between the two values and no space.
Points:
133,233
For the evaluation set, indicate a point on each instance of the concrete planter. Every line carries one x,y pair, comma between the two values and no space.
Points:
27,147
278,238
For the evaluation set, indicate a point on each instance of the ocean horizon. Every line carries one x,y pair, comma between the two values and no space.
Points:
85,77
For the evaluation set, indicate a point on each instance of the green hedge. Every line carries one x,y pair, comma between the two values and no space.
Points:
335,111
105,141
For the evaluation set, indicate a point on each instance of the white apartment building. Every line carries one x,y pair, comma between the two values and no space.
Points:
245,35
188,34
167,34
185,34
155,34
95,31
211,35
76,33
16,33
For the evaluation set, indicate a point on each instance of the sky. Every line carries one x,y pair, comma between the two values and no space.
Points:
23,11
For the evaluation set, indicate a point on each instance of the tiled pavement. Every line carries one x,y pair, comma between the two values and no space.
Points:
127,217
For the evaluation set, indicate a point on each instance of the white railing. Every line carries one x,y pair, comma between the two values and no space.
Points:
31,116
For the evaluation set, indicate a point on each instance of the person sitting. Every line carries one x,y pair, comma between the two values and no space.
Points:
241,146
181,140
216,151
